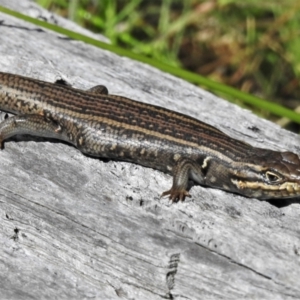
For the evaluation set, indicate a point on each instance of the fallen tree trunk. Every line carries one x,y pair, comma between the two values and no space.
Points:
78,227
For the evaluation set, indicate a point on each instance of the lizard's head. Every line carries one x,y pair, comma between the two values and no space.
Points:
268,174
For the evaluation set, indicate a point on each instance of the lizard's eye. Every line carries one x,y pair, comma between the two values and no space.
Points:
271,177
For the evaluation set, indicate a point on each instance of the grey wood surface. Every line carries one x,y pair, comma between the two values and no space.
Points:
75,227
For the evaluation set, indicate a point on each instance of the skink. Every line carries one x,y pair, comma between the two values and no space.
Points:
116,127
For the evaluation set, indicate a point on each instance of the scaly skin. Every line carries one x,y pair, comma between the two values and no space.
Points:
116,127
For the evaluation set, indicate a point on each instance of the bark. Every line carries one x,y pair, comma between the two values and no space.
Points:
77,227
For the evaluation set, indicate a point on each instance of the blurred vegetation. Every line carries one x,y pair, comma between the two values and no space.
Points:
252,45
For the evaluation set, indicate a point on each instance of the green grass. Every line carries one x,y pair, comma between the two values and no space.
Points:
233,48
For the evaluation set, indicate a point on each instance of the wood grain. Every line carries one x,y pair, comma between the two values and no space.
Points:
77,227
